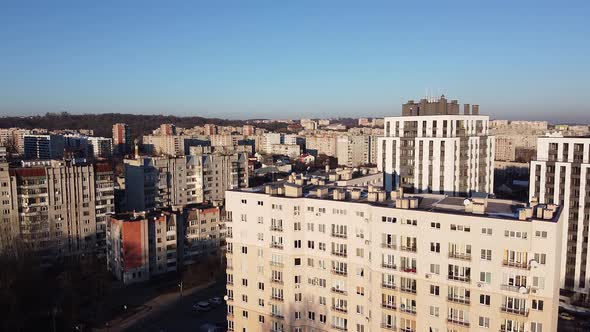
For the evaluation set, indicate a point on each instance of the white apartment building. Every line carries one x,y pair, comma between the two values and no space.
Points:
305,257
102,147
561,174
433,148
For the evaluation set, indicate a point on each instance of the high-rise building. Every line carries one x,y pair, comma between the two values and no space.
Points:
9,227
210,129
59,207
101,147
328,258
122,140
560,174
167,129
203,233
142,245
44,146
248,130
354,150
433,148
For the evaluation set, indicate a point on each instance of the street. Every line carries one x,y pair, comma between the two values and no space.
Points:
180,316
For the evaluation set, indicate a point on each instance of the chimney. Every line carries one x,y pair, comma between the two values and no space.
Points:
467,109
475,109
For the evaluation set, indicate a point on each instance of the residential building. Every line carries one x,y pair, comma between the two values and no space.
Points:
9,226
325,144
55,207
328,258
291,150
203,232
44,146
142,245
433,148
122,139
248,130
354,150
3,153
167,129
560,174
101,147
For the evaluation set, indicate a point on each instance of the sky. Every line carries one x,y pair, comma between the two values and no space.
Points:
293,59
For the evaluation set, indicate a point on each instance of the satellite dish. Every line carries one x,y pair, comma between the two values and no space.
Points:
467,201
534,264
523,290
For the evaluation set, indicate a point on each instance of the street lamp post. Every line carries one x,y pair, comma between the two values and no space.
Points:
180,286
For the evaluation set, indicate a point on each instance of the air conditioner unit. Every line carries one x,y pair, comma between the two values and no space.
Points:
367,242
523,290
427,275
318,214
480,284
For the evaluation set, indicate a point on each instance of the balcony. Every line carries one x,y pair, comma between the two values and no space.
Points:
388,246
459,300
277,315
457,322
338,291
276,281
388,286
407,329
276,245
390,306
408,248
408,269
339,328
408,310
339,272
339,309
459,278
339,235
461,256
390,266
515,311
511,288
275,228
277,264
517,265
339,253
388,327
408,290
277,298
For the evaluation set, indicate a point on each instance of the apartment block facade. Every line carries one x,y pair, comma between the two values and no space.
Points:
58,208
432,148
321,258
122,139
560,174
203,232
142,245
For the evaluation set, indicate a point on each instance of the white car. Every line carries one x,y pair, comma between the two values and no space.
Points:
202,306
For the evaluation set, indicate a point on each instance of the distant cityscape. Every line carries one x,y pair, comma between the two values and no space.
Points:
322,225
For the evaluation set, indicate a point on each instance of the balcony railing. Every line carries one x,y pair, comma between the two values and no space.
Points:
276,228
277,264
390,266
518,265
459,255
409,310
511,288
339,309
277,315
408,290
390,306
515,311
458,300
408,269
407,329
457,322
388,286
388,327
339,253
339,235
276,281
408,248
338,291
339,328
340,272
388,246
459,278
277,298
276,245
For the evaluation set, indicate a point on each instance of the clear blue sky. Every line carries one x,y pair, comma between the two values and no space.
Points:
291,59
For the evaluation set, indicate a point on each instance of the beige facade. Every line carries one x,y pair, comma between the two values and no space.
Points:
321,258
325,144
204,232
355,150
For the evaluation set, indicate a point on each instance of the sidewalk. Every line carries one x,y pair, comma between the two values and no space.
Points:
152,307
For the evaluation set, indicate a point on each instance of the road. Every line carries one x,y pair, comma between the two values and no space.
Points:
180,316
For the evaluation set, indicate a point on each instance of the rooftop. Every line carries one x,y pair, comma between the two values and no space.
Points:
319,188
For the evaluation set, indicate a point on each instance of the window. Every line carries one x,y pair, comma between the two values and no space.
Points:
542,234
311,315
360,252
245,282
297,244
435,225
360,290
260,220
260,318
434,290
538,305
244,250
435,268
486,231
261,203
484,322
297,314
261,286
536,327
434,246
323,318
541,258
434,311
298,297
485,277
310,244
297,261
484,299
244,314
486,254
245,298
297,226
244,201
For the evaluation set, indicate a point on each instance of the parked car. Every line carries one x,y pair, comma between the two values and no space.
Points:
202,306
216,300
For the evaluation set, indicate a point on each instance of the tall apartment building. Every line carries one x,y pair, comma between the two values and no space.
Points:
3,153
122,140
325,144
354,150
55,207
323,258
142,245
101,147
433,148
9,228
158,182
561,174
248,130
203,232
44,146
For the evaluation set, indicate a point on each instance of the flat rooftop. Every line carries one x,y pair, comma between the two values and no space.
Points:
494,208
